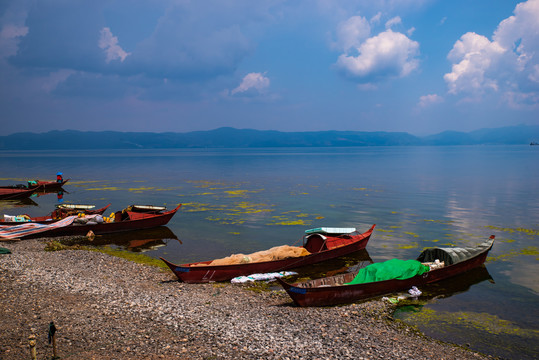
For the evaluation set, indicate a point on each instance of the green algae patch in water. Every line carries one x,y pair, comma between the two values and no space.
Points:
291,222
446,222
475,329
531,232
479,321
530,250
412,245
200,207
141,189
239,193
105,188
411,233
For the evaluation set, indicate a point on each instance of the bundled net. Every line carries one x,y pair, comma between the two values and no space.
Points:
275,253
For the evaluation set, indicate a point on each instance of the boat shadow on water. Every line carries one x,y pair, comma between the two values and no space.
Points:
445,288
135,240
10,204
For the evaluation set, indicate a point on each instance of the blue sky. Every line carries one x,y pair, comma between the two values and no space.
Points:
418,66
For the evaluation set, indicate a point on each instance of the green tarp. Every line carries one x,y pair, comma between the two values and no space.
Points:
391,269
4,251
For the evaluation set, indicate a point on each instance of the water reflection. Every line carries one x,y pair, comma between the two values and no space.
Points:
137,240
59,192
446,288
10,204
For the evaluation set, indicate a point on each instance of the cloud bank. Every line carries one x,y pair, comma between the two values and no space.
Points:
507,64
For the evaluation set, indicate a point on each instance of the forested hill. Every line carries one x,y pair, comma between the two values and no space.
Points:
246,138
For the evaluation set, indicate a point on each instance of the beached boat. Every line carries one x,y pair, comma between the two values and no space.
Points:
333,291
61,212
134,217
319,245
14,192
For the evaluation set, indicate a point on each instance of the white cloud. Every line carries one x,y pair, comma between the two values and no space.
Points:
430,99
507,64
109,43
376,18
352,32
388,54
256,81
51,82
9,39
393,21
472,55
12,31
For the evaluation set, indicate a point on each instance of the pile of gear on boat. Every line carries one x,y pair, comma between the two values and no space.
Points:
84,213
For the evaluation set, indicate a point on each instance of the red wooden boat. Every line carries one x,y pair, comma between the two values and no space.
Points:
39,185
332,291
14,192
320,246
135,217
61,212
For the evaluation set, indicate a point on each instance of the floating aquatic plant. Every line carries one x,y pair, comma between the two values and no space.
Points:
530,250
530,232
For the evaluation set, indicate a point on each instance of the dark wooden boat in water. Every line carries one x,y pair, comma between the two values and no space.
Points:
61,212
134,217
39,185
320,246
332,291
15,192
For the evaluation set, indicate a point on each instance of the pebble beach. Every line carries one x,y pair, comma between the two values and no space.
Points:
105,307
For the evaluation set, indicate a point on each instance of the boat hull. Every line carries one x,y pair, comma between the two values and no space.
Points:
48,185
106,228
7,193
344,294
203,274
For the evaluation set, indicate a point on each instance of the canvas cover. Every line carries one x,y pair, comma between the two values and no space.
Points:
387,270
330,230
453,255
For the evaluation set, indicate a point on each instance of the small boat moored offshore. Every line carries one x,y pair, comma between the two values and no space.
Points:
46,185
134,217
319,245
336,290
14,192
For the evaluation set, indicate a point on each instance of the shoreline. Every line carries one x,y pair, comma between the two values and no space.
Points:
105,307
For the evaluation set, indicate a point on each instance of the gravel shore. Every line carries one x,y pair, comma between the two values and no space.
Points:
110,308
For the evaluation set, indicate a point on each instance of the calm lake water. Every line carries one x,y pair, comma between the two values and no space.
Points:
245,200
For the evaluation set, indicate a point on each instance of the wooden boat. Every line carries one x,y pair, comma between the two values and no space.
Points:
332,291
134,217
61,212
320,246
39,185
15,192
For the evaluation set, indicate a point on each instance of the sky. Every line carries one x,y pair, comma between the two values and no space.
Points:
416,66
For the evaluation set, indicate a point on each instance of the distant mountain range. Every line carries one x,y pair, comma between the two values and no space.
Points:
246,138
